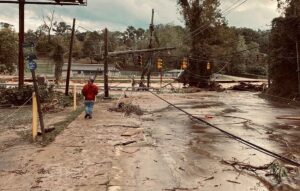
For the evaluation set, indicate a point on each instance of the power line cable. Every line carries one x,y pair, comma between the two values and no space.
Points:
200,29
230,135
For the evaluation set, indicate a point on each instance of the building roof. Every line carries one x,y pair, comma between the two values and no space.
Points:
174,71
89,67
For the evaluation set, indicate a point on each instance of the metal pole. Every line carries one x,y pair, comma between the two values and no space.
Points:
70,59
106,93
36,90
21,42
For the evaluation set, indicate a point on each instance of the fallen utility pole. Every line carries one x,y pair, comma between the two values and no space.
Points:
22,4
117,53
106,93
70,59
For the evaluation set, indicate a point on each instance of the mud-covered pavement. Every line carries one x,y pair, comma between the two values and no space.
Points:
161,150
184,155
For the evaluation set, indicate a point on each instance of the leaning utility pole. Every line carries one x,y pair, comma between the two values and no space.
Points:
22,4
151,28
70,59
148,67
106,93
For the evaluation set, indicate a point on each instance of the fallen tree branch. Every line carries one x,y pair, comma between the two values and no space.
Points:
126,126
125,143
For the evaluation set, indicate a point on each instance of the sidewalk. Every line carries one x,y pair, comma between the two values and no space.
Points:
81,158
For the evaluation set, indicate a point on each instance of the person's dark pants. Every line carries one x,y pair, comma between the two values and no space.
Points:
89,105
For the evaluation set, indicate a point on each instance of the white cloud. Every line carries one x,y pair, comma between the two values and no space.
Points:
118,14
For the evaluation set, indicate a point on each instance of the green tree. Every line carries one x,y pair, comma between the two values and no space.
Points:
8,50
61,28
202,19
91,45
283,59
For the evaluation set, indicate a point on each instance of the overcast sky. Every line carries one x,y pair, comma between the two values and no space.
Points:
118,14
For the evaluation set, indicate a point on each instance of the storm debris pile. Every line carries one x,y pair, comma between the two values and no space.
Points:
273,169
18,96
127,108
243,86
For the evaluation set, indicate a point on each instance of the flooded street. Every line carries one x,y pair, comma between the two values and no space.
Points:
163,149
180,154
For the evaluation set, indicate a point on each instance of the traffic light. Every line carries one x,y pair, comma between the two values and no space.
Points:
140,60
184,63
159,63
208,66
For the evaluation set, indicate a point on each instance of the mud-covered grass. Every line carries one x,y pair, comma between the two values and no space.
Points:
15,117
58,128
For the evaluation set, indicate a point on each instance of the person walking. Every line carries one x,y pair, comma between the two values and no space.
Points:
89,91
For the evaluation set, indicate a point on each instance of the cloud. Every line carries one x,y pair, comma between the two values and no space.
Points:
118,14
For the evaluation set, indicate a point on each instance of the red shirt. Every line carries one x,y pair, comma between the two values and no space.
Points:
90,91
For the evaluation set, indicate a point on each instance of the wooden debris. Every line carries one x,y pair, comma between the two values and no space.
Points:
234,182
125,143
289,117
245,166
127,109
126,126
130,150
210,178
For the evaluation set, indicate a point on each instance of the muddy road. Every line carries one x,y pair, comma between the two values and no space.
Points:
161,150
179,154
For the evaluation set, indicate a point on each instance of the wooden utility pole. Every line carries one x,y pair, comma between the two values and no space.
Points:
151,28
297,50
105,74
22,4
21,42
118,53
298,64
70,59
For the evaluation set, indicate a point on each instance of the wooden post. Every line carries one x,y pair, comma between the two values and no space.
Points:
34,117
36,90
106,93
75,97
70,59
21,42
